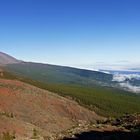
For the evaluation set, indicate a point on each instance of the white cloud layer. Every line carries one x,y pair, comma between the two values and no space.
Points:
121,65
125,84
129,87
123,77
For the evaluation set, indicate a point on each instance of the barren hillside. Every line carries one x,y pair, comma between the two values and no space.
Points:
25,108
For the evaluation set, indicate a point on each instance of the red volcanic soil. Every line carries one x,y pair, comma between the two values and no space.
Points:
24,107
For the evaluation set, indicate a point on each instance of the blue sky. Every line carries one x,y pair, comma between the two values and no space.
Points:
71,32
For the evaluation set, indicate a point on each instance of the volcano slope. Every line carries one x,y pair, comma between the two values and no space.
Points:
7,59
28,111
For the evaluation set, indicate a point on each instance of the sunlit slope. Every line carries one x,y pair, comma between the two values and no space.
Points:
24,107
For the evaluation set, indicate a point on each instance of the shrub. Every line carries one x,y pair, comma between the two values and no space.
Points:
8,136
35,134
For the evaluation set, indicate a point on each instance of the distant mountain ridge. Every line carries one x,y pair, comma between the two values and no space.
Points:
60,74
7,59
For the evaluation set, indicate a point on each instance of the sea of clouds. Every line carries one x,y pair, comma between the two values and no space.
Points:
121,70
122,79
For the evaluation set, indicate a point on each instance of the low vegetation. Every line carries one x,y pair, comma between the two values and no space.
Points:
9,115
8,136
105,101
35,134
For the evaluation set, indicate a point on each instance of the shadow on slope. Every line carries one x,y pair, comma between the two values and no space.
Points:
106,135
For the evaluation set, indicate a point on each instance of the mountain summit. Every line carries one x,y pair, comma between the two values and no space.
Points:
7,59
